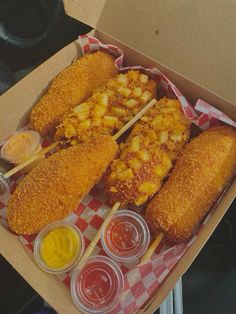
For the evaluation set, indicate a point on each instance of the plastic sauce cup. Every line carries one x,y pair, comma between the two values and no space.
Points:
58,247
4,187
97,286
127,237
21,146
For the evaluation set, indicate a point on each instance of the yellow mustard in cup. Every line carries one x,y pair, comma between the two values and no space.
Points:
58,247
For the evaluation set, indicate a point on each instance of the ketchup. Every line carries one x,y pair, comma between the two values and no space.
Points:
127,236
97,285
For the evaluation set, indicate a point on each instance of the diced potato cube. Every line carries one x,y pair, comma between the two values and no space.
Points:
113,84
137,92
119,112
141,199
122,79
135,144
131,103
124,91
146,96
69,131
173,103
167,162
147,188
113,189
103,99
97,122
110,121
125,175
83,115
170,110
144,155
176,138
145,118
163,137
143,78
82,107
160,171
120,166
109,92
99,111
135,163
133,75
84,125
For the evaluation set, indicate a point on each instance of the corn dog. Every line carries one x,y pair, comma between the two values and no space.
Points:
55,186
148,154
71,87
108,109
203,170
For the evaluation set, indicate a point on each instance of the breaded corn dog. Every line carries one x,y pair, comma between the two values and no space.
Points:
71,87
148,154
108,109
55,186
201,173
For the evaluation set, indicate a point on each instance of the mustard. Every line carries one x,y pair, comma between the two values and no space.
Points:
59,247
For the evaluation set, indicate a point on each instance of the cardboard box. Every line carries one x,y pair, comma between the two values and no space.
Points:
16,103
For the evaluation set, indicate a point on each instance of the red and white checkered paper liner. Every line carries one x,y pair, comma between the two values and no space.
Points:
140,280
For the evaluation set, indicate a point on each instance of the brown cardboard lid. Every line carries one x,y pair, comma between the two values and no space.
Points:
194,38
86,11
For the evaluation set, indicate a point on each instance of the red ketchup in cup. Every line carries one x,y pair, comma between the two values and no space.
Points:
96,288
127,236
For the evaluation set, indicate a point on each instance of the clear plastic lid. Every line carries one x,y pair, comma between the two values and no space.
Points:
65,245
97,286
21,146
4,187
127,236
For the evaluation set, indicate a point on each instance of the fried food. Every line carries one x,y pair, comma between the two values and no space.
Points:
148,154
204,169
108,109
56,185
71,87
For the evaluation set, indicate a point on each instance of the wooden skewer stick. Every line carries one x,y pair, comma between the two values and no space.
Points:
95,240
19,167
115,207
134,119
152,248
47,149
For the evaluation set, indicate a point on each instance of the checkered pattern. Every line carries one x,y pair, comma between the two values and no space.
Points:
140,280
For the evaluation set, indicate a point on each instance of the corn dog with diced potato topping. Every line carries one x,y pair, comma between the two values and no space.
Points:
203,170
55,186
109,108
71,87
148,154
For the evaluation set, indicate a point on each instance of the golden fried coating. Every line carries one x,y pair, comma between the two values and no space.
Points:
71,87
148,154
55,186
204,169
108,109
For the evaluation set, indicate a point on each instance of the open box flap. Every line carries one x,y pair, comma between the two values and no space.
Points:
191,39
86,11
